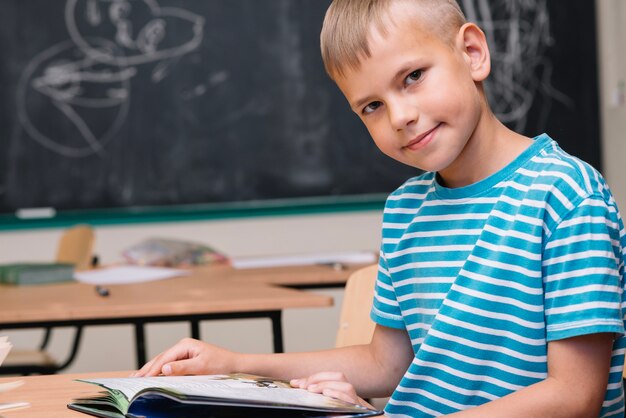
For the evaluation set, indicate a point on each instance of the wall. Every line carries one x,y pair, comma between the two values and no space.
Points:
612,57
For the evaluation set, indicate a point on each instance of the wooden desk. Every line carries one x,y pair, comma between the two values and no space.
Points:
49,395
213,292
297,277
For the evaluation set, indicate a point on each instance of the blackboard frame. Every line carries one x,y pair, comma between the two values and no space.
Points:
199,212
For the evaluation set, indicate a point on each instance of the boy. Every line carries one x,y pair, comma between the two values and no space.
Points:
501,272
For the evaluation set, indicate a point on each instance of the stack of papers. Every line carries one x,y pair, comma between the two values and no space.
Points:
5,347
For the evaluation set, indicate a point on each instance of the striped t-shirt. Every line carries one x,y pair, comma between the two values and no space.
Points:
483,277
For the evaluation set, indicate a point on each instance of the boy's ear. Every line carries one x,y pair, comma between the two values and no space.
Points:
472,42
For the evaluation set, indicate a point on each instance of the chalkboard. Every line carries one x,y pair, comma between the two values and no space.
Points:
115,105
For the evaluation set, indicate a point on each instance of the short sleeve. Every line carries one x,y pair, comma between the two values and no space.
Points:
582,272
385,309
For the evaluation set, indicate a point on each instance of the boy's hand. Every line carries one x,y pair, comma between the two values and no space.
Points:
332,384
189,356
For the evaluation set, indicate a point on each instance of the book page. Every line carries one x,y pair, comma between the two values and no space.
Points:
243,388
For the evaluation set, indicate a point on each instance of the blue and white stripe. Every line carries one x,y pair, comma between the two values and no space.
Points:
483,277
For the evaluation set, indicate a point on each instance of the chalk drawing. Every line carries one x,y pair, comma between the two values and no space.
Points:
147,44
518,33
86,81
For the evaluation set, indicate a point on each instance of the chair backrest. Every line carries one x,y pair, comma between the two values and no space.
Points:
76,247
355,325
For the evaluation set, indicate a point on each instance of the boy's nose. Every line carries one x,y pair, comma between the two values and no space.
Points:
402,114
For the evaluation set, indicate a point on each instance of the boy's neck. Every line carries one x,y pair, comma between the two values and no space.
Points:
491,148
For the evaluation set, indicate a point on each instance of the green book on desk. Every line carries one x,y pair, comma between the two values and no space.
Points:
36,273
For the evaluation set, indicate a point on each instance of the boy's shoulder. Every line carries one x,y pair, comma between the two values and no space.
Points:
566,172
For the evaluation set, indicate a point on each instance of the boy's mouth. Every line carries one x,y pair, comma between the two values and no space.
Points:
422,139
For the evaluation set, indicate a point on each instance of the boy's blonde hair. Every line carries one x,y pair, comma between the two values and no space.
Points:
347,25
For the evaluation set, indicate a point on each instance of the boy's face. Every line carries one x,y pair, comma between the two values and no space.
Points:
416,94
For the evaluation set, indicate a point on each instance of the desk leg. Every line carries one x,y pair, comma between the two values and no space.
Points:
195,328
140,344
277,330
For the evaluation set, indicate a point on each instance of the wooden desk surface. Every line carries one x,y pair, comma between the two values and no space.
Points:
317,275
49,395
211,289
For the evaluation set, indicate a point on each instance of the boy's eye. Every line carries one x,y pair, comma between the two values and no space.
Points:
413,77
371,107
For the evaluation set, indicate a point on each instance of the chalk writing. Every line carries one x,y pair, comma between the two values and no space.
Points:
87,80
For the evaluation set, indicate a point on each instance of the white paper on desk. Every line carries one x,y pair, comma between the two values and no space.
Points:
351,257
13,405
127,275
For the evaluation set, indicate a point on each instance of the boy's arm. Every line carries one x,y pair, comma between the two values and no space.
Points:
578,372
374,369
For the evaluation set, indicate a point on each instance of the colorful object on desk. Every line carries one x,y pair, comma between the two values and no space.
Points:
36,273
171,253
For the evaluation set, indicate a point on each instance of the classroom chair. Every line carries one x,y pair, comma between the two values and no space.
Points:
355,325
76,247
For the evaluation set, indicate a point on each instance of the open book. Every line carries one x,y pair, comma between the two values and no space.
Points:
214,396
